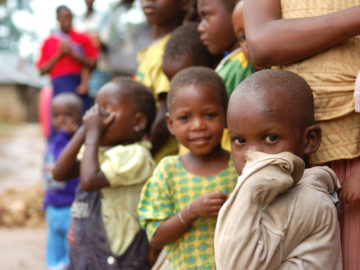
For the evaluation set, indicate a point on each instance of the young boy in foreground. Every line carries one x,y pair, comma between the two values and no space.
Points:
279,215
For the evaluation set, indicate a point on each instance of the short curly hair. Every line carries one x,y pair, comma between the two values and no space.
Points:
198,76
185,42
141,95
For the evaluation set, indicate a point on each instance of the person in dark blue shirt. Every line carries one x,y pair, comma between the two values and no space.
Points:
66,116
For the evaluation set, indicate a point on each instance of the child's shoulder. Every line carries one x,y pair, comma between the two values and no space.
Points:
320,180
168,163
120,154
156,47
137,146
236,57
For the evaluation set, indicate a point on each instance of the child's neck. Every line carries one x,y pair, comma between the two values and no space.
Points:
162,29
206,165
233,47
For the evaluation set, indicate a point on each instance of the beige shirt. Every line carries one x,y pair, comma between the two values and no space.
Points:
331,75
279,218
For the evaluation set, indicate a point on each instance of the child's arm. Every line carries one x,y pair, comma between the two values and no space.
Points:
62,137
295,39
67,166
241,238
159,132
91,176
207,205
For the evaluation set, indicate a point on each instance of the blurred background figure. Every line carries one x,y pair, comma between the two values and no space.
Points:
68,57
93,23
126,33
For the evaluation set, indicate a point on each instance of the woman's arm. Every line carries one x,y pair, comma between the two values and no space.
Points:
47,67
273,41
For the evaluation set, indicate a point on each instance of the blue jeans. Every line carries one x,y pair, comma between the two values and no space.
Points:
57,250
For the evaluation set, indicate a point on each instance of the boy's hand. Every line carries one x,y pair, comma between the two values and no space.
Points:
207,205
350,189
94,121
69,127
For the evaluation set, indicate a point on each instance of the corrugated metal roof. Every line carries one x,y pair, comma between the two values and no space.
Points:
15,70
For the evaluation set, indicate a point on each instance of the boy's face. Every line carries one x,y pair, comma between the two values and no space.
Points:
65,20
197,118
112,101
216,30
238,24
268,123
161,11
63,115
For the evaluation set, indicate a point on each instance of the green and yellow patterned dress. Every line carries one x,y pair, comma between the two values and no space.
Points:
167,192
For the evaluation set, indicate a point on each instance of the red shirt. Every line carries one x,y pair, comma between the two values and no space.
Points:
66,64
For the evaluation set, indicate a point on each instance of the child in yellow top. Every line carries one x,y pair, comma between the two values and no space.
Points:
115,162
164,17
180,202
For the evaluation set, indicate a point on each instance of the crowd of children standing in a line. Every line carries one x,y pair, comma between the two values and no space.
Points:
206,152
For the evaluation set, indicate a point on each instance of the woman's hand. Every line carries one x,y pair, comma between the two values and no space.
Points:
350,189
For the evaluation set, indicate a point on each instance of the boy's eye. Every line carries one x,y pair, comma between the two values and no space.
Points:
203,14
183,117
271,138
239,140
210,115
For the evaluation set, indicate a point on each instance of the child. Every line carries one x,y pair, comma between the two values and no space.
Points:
115,162
66,117
238,25
180,202
321,42
185,49
164,16
278,216
217,34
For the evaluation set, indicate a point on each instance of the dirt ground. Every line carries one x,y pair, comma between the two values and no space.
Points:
22,228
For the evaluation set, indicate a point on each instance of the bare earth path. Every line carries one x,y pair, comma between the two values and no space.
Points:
21,151
22,249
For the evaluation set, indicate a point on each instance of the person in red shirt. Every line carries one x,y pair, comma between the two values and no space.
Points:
68,57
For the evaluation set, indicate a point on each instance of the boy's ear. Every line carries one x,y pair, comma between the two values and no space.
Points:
140,121
169,123
312,139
